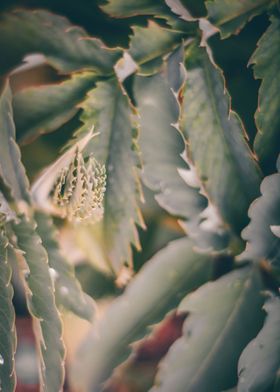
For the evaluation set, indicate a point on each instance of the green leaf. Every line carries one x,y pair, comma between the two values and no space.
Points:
41,304
187,9
155,290
11,168
125,9
231,16
216,141
7,321
149,44
262,242
68,291
267,67
43,109
259,364
159,111
223,317
109,109
66,47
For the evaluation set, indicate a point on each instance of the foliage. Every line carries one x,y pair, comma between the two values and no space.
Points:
143,100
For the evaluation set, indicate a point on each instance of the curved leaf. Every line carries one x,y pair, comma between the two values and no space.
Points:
223,317
230,177
231,16
262,242
42,109
157,288
7,321
66,47
109,109
187,9
11,168
159,110
68,291
41,305
267,67
125,9
259,364
165,171
148,44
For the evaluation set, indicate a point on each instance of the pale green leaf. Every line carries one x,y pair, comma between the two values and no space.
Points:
7,321
259,364
68,291
11,168
109,109
164,167
125,9
158,111
216,139
42,109
66,47
230,16
155,290
262,242
149,44
223,317
178,8
41,304
266,62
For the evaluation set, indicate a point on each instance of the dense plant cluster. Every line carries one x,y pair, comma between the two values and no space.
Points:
148,100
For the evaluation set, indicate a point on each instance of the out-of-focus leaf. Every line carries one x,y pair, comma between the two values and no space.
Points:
41,304
68,292
109,109
231,16
42,109
262,242
187,9
7,321
259,364
66,47
125,9
157,288
179,9
266,62
148,44
11,168
223,317
216,141
6,213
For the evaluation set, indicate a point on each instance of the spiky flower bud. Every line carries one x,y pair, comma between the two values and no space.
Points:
79,189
